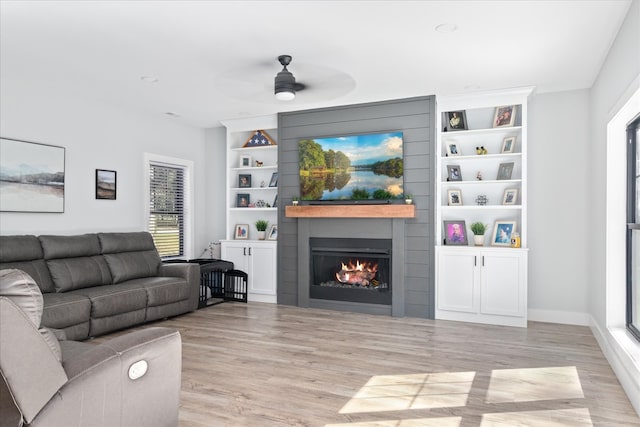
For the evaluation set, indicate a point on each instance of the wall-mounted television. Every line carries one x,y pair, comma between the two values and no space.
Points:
352,168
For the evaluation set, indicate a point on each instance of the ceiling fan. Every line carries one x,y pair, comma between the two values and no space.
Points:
285,83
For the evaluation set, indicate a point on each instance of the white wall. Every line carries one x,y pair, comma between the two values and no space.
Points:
97,136
559,202
215,151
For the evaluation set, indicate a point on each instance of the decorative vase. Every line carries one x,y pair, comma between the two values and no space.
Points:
294,203
261,235
478,240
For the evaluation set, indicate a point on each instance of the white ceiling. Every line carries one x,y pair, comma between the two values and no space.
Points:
216,60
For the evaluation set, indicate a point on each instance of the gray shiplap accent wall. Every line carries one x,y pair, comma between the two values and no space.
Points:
415,117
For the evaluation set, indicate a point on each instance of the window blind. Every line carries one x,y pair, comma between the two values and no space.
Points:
166,209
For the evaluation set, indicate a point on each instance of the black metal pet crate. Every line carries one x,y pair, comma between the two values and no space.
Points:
218,280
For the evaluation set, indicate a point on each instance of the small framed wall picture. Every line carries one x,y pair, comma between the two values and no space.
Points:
273,233
504,116
455,120
274,180
504,171
454,197
508,144
453,149
502,231
241,232
455,233
453,173
244,181
106,184
245,161
510,196
275,201
243,200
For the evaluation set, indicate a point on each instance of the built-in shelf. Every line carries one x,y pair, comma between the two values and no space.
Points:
351,211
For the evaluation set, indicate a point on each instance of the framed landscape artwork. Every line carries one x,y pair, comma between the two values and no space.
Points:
502,231
106,181
31,177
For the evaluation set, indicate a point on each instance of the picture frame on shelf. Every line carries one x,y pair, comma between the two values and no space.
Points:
106,184
453,149
274,180
275,201
510,196
273,233
241,232
455,233
454,173
508,144
504,171
244,181
455,120
502,231
243,200
245,161
505,116
454,197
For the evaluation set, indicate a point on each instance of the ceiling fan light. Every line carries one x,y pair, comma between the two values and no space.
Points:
285,85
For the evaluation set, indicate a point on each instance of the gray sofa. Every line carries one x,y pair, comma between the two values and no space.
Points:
93,284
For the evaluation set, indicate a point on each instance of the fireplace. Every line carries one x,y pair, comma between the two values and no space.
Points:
353,270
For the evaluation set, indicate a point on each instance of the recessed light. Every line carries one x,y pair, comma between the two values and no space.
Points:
446,28
149,79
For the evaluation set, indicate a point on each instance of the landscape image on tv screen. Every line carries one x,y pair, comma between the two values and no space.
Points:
356,167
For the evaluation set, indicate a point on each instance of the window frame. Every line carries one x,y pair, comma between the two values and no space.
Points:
150,159
633,222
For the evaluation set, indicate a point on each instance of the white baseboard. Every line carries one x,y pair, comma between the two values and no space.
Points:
623,354
562,317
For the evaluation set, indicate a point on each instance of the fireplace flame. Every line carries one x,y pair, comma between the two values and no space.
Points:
360,273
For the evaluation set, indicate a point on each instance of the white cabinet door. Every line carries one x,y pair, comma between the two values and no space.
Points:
237,254
456,282
263,266
501,284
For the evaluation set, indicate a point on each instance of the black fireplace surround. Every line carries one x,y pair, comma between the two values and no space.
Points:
353,270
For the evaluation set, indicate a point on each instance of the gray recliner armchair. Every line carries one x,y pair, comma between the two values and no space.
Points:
131,380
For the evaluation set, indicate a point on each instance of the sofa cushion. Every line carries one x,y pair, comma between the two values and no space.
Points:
25,253
130,255
70,246
162,290
110,300
63,310
76,273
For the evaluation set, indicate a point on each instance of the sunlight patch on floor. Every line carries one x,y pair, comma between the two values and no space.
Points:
551,418
417,422
535,384
415,391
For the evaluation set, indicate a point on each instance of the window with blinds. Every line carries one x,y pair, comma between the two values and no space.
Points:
166,209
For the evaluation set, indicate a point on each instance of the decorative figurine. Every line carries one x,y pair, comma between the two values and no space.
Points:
479,176
482,200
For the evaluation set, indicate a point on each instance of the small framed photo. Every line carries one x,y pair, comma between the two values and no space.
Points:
274,180
453,149
241,232
502,231
455,120
245,161
106,184
243,200
454,197
244,181
455,233
275,201
505,116
273,233
504,171
453,173
508,144
510,196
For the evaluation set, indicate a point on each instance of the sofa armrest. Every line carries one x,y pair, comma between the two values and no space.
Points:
188,271
103,389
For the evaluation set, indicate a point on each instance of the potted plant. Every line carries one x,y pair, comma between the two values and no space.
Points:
261,226
408,199
478,229
294,200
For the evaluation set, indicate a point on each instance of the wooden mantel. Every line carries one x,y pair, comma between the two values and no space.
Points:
351,211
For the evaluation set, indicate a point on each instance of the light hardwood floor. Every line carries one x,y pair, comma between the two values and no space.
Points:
268,365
